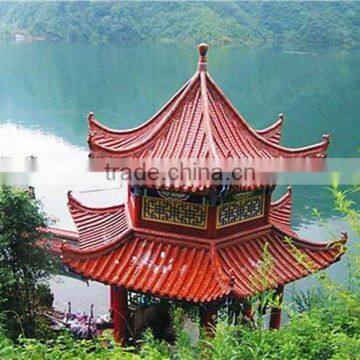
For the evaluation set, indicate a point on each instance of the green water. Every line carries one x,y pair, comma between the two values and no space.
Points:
51,87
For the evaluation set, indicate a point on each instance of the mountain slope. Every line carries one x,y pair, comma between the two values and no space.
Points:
295,25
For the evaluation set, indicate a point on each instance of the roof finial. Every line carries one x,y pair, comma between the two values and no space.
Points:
90,116
203,48
69,195
344,236
326,138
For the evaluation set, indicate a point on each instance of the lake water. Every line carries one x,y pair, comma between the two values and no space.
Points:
46,91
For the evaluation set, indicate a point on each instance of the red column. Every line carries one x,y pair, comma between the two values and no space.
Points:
275,314
118,302
208,319
135,202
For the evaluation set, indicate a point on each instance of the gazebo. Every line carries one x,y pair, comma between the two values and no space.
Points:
198,245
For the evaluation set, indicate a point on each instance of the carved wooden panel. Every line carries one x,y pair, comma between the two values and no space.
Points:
174,212
243,207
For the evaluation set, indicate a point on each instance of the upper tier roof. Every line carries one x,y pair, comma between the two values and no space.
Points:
111,250
198,122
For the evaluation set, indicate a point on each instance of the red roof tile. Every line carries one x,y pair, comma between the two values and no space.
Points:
183,267
280,211
97,225
198,122
159,266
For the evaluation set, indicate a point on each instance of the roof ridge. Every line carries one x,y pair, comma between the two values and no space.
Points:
205,111
273,132
75,202
318,246
159,127
322,146
281,211
224,280
92,121
282,200
99,249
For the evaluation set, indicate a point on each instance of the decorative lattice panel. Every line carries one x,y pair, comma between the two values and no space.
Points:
247,207
174,212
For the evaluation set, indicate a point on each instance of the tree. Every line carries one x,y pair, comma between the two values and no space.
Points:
24,266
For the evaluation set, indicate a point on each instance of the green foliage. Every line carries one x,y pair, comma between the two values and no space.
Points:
23,265
152,348
294,25
62,348
346,206
326,327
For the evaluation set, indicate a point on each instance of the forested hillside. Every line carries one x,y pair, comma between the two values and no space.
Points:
292,25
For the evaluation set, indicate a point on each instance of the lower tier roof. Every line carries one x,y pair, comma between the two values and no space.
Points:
182,267
162,266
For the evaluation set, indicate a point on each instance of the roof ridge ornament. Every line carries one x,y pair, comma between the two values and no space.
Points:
326,138
203,49
90,115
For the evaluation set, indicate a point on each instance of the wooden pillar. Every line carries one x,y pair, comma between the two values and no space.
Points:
119,310
275,314
135,204
208,319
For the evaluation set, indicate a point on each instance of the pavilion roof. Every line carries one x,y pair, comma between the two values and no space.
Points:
198,122
111,250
